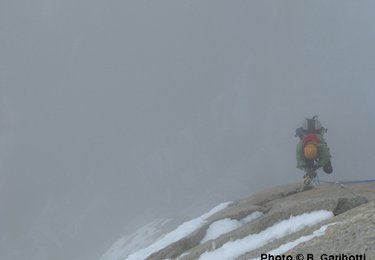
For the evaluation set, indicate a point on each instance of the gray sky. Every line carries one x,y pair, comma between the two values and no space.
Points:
115,113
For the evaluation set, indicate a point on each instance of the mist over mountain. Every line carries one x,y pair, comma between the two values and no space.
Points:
113,114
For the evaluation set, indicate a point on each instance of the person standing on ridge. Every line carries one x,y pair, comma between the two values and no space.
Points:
312,150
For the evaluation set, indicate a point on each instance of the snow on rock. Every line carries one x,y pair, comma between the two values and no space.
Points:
253,216
143,237
220,227
180,232
227,225
285,247
236,248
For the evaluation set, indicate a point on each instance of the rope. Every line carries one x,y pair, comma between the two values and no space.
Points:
351,191
317,182
348,182
342,184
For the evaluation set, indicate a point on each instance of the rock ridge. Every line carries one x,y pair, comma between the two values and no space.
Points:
353,204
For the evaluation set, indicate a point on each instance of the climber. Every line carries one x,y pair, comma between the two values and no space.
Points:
312,150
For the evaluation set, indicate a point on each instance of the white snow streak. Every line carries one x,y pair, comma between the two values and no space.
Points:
143,237
234,249
285,247
182,231
227,225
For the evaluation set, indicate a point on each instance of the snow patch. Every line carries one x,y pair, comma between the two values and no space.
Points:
221,227
234,249
142,238
227,225
285,247
251,217
180,232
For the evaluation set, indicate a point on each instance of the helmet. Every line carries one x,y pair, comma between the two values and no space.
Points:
310,151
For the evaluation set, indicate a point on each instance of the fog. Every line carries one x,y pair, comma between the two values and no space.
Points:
114,113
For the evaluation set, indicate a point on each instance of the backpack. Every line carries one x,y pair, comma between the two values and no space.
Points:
312,126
